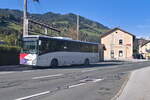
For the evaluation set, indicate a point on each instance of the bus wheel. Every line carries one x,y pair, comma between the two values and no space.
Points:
86,62
54,63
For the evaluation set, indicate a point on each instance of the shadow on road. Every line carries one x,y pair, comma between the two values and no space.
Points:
25,68
85,66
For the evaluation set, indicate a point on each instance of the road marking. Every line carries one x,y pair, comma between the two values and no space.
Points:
34,95
27,71
97,80
93,80
40,77
76,85
83,71
6,72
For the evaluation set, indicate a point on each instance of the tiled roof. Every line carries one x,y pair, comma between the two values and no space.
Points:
112,30
145,43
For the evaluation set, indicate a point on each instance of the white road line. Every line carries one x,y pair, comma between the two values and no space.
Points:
76,85
83,71
94,80
28,71
97,80
34,95
40,77
11,72
6,73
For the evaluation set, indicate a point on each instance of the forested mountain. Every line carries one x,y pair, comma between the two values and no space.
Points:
11,25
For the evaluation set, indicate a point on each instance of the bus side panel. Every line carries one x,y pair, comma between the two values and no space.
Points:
67,58
45,59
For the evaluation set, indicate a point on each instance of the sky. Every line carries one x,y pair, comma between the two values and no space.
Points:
130,15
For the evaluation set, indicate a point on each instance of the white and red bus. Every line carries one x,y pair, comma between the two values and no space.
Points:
38,50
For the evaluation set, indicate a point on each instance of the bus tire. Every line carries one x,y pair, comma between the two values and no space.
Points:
54,63
86,62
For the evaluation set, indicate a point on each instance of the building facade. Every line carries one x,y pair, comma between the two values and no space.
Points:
144,49
118,44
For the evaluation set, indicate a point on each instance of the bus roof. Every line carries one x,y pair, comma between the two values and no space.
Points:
58,38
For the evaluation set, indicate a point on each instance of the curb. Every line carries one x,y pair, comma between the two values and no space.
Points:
4,66
122,87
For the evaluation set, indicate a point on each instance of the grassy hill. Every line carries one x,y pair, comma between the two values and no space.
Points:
11,25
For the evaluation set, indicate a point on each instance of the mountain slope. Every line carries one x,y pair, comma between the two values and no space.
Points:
11,23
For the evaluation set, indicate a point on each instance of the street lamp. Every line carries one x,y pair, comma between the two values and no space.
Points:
77,27
25,19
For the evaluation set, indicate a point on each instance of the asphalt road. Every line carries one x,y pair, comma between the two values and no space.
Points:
99,81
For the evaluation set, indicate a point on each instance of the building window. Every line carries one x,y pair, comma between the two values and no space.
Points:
120,42
120,53
112,53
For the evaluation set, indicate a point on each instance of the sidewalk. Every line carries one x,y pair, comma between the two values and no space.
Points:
136,60
138,86
14,68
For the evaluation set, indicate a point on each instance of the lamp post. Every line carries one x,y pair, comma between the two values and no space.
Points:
77,27
25,20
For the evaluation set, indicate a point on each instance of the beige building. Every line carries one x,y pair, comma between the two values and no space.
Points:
118,44
144,49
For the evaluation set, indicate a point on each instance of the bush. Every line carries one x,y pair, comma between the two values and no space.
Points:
9,55
9,49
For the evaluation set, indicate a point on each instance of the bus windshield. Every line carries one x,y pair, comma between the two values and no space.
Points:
29,47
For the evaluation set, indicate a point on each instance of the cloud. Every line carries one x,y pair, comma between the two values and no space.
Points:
143,36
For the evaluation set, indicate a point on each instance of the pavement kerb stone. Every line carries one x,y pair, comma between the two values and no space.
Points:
122,87
9,65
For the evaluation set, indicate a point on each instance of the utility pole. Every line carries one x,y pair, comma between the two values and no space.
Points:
25,20
77,27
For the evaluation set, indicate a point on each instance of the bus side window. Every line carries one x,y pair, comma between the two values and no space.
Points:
52,45
44,47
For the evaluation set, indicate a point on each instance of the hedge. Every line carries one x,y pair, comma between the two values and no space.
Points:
9,55
7,48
